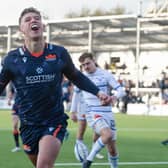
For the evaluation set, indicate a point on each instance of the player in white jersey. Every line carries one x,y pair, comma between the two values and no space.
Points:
78,111
101,118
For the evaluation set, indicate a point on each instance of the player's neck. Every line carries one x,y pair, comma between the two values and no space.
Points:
93,70
35,46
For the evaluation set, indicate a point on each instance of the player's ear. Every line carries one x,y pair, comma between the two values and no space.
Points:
94,61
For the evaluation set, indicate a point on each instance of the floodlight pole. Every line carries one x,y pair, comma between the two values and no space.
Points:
90,36
48,31
137,53
139,8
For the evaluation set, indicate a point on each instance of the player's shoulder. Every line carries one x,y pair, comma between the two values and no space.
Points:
104,74
13,52
101,71
11,55
56,48
106,71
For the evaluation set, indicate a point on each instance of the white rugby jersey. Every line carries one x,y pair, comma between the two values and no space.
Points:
105,81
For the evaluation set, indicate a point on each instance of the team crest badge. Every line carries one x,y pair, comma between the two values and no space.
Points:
39,70
24,59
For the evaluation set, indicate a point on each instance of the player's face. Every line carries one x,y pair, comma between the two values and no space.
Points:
88,65
31,26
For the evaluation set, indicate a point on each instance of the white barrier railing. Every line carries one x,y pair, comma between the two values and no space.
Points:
4,103
143,109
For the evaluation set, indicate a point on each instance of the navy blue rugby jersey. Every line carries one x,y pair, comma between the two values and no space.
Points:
38,82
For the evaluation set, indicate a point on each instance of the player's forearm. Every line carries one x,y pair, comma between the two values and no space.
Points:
73,116
85,84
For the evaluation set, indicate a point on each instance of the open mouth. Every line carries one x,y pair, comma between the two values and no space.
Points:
34,27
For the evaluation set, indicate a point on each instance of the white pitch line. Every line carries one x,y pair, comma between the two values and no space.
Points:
143,129
120,163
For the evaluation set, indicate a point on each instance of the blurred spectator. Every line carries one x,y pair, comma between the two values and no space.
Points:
139,99
125,100
164,89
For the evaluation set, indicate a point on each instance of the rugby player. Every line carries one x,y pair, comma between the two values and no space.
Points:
101,118
15,118
36,69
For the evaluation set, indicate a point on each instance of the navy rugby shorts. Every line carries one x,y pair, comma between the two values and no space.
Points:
31,134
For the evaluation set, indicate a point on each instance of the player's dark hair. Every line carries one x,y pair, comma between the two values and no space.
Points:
84,56
87,55
29,10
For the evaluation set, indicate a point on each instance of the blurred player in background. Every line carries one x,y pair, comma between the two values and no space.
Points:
15,119
67,88
101,118
78,111
165,142
36,69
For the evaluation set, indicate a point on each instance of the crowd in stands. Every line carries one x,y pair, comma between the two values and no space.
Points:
159,96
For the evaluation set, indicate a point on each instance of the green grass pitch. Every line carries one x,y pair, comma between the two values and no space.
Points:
138,143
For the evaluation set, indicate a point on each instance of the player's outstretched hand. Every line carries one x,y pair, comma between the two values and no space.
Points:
73,116
104,98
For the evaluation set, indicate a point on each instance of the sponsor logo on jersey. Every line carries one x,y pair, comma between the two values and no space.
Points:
50,57
40,78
